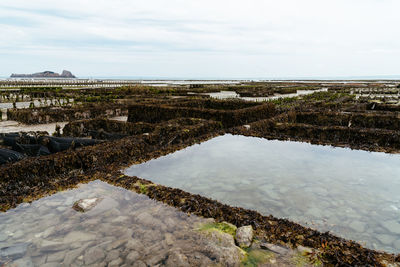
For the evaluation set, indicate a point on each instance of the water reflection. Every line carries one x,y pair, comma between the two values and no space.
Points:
352,193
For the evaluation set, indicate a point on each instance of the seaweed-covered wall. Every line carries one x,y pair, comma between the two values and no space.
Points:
229,118
362,131
85,128
57,114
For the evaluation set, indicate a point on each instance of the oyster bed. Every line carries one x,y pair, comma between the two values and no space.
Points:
163,120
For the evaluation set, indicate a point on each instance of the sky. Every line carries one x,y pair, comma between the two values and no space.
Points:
201,39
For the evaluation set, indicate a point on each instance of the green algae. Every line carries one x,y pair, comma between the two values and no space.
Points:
222,227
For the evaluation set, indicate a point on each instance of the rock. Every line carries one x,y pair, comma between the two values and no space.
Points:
84,205
392,226
246,126
169,239
134,244
133,256
357,226
93,255
72,255
139,264
304,250
24,262
385,239
115,263
3,236
56,257
177,259
116,244
78,236
15,251
157,258
51,264
274,248
244,236
221,247
112,255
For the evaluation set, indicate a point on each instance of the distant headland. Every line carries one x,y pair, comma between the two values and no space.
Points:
45,74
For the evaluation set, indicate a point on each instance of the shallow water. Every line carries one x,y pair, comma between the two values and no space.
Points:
233,94
124,227
14,126
352,193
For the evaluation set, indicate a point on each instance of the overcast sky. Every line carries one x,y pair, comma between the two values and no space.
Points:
201,39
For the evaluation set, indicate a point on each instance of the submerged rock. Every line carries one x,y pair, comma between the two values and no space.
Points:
177,259
274,248
244,236
14,251
84,205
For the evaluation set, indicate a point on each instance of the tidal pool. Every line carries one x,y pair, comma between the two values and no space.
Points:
352,193
234,95
124,228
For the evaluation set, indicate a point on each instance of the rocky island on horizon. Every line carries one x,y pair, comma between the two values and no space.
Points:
45,74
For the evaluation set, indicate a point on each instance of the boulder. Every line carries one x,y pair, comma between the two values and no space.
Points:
244,236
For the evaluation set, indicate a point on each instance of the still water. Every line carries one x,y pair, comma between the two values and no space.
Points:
352,193
233,94
124,228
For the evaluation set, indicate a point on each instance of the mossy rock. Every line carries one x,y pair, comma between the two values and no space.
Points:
223,227
256,257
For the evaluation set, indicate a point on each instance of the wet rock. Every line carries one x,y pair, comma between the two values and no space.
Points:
177,259
357,226
93,255
15,251
133,256
78,236
169,239
392,226
221,247
116,244
24,262
115,263
134,244
244,236
304,250
385,239
3,236
159,257
51,264
84,205
274,248
139,264
112,255
70,256
56,257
